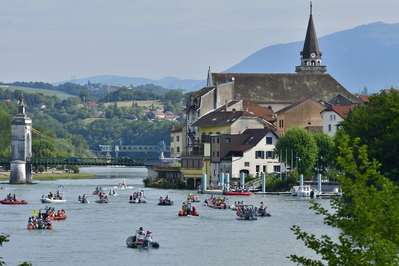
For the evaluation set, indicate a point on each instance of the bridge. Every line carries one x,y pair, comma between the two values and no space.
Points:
35,162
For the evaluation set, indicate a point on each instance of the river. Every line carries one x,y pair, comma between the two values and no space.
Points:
95,234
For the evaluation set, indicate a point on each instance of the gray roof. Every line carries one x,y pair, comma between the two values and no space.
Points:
278,88
243,142
220,118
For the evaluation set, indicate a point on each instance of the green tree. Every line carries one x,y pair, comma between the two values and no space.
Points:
5,133
326,152
377,126
300,144
367,215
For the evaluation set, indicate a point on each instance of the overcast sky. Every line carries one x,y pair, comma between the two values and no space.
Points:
53,40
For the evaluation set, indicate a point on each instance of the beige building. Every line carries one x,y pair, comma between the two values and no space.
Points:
303,114
176,142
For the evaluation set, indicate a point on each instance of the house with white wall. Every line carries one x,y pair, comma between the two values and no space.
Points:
333,116
251,153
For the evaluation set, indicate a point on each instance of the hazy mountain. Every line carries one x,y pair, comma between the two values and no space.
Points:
168,82
367,55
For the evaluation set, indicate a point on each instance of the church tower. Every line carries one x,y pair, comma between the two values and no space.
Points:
311,55
21,146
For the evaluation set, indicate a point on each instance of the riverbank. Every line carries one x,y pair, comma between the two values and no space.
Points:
53,176
163,183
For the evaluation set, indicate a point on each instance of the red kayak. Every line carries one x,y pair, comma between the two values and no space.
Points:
237,193
13,202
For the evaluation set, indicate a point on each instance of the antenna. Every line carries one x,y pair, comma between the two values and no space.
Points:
311,7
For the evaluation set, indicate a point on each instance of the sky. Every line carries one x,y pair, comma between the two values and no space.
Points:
56,40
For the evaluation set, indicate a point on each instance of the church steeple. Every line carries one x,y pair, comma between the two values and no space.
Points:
311,54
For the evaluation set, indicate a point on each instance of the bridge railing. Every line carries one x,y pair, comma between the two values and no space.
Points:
79,162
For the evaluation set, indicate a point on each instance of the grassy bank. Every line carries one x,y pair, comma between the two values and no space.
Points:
55,176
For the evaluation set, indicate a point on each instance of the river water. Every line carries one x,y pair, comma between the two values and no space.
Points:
95,234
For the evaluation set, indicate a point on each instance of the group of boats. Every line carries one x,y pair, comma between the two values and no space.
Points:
42,219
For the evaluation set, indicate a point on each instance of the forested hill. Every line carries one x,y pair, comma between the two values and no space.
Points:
93,115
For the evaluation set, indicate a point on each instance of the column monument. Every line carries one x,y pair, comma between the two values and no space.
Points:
21,146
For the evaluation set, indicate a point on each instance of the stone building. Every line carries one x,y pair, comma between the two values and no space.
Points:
21,146
303,114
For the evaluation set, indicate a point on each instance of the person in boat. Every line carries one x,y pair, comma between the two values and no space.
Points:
188,208
161,200
140,235
148,237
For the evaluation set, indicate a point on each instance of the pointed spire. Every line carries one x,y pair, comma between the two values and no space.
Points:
209,81
311,45
311,54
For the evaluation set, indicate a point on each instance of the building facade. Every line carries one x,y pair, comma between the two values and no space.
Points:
250,153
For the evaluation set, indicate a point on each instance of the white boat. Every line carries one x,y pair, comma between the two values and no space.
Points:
123,186
304,191
47,200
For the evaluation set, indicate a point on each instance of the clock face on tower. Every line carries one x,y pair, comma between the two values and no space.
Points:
313,55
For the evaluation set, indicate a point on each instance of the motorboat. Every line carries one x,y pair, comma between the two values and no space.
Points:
102,200
133,242
216,203
247,212
193,198
304,191
13,202
137,200
165,202
187,210
52,200
83,199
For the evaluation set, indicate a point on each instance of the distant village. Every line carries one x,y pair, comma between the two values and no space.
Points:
233,124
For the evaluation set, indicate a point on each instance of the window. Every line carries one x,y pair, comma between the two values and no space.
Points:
281,123
269,140
329,128
277,168
227,140
217,140
259,154
217,154
177,138
257,168
177,149
246,164
264,169
269,155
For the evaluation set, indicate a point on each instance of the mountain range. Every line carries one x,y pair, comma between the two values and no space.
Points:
167,82
365,56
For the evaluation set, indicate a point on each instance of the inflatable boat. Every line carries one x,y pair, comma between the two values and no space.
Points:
47,200
132,242
237,193
13,202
